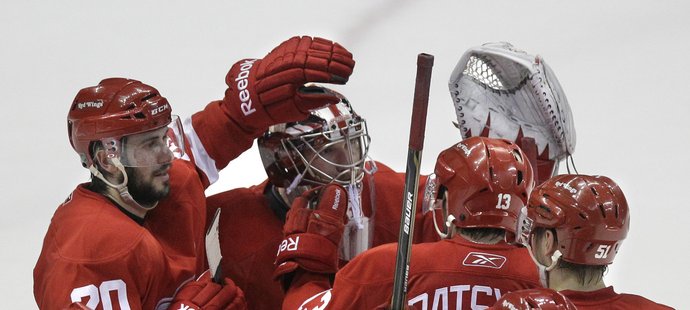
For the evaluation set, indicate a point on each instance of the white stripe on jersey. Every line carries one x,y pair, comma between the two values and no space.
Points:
201,158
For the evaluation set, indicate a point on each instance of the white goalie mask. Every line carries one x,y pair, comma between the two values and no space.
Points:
502,92
329,146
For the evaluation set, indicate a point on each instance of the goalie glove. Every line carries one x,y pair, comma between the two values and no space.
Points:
313,230
268,91
204,294
502,92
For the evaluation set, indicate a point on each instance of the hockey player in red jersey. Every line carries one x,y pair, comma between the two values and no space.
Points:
574,226
134,234
482,184
329,146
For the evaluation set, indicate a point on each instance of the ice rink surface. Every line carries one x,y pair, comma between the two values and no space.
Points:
623,65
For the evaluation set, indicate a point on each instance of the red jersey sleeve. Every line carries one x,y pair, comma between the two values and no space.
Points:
214,139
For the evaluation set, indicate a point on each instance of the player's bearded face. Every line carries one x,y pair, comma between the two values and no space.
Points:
148,185
150,159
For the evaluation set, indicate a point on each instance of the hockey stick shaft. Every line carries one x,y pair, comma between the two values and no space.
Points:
414,156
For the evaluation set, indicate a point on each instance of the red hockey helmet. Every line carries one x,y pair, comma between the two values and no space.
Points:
538,298
116,107
589,213
289,151
487,182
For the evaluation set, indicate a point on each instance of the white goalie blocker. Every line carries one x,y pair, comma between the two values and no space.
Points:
502,92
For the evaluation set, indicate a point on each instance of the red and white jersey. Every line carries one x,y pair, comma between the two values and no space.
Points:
251,229
448,274
95,253
607,298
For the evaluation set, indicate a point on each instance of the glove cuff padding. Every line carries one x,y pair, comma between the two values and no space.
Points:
311,252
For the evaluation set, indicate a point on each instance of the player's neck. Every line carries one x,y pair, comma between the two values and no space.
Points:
289,198
134,210
282,193
560,279
479,239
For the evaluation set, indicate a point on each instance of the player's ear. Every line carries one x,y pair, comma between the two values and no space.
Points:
104,163
549,243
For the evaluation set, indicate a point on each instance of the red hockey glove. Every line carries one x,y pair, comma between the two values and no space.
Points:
312,236
263,92
205,294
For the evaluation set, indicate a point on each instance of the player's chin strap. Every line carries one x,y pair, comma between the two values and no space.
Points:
449,221
555,257
354,195
121,188
295,182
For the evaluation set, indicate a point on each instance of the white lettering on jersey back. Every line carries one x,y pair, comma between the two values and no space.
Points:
443,296
479,259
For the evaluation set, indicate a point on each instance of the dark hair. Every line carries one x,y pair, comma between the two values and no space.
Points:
483,233
585,274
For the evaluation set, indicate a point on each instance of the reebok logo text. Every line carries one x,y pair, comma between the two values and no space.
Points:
336,201
288,244
242,83
479,259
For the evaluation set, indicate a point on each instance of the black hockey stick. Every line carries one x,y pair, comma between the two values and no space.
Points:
414,157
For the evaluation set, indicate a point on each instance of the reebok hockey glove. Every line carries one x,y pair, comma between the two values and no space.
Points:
207,295
312,236
268,91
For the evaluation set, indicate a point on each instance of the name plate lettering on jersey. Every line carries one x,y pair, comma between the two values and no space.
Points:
457,297
479,259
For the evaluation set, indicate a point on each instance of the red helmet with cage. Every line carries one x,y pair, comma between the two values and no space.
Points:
589,214
334,135
538,298
486,181
116,107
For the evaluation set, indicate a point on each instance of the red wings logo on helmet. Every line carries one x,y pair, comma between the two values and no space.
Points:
464,149
479,259
96,104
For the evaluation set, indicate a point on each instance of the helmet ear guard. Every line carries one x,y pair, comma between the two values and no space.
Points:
435,199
